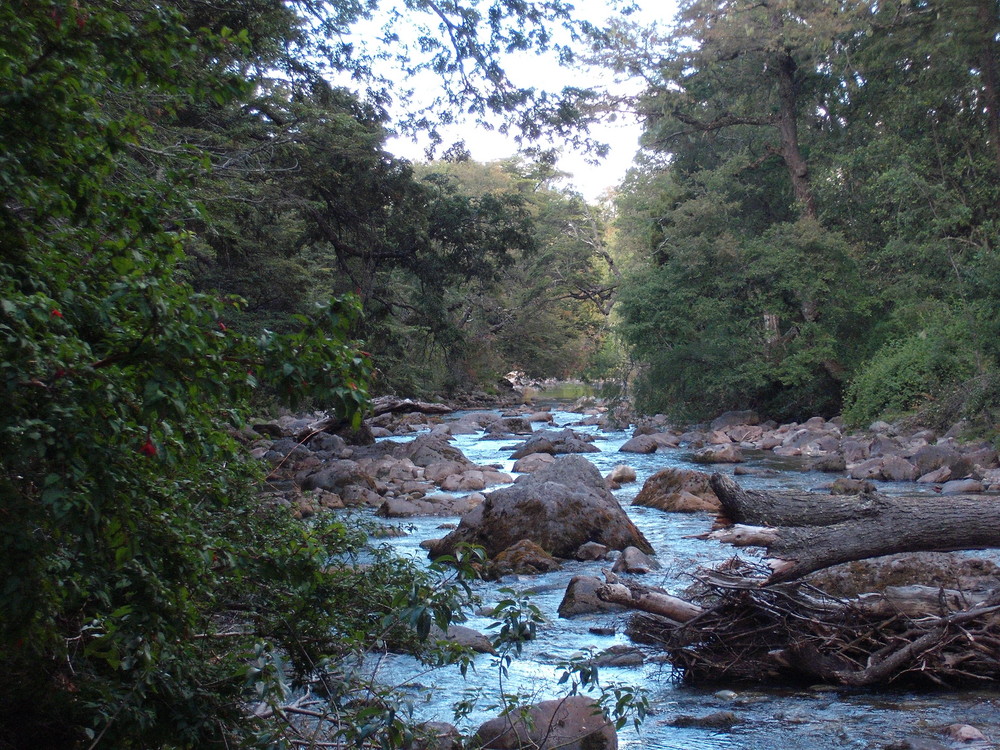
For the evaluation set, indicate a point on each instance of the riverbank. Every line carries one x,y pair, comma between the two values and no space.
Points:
486,440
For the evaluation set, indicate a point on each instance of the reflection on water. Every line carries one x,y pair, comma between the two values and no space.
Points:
767,719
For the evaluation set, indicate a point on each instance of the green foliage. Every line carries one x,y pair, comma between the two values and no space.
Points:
818,179
909,374
148,594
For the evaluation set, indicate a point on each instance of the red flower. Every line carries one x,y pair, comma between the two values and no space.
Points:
55,313
147,448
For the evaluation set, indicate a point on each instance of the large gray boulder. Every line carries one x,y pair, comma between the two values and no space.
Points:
425,450
559,507
555,442
640,444
573,723
336,476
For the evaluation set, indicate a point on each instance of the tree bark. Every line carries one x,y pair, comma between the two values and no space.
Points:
788,129
649,600
809,534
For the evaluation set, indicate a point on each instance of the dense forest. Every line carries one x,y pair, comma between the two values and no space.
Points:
200,222
815,218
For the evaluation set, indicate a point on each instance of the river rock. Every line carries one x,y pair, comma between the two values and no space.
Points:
425,450
633,561
437,504
334,476
573,723
730,453
533,462
518,425
961,486
732,418
847,486
932,457
581,598
744,433
619,475
468,481
325,442
355,495
935,477
640,444
808,442
718,437
559,507
464,636
619,656
888,468
523,558
555,442
678,490
438,471
984,456
964,733
722,720
667,439
831,463
591,551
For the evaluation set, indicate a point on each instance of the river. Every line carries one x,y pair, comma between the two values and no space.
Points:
768,718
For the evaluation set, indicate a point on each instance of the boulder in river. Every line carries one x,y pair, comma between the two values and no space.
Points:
635,562
555,442
678,490
640,444
581,598
533,462
573,723
560,507
728,453
523,558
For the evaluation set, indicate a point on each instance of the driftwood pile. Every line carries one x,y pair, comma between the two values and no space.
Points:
760,621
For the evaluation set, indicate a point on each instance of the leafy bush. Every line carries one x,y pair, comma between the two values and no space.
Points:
148,596
909,373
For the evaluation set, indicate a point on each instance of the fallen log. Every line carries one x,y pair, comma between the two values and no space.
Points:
802,535
647,599
393,405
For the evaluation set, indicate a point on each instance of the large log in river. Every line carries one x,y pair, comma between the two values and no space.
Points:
749,621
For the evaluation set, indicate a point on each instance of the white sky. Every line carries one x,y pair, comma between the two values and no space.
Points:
591,180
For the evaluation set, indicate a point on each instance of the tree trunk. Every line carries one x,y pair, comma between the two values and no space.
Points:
788,130
808,534
645,599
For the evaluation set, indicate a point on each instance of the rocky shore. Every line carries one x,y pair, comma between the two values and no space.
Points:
555,506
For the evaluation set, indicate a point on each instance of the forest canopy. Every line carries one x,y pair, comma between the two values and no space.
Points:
817,212
200,221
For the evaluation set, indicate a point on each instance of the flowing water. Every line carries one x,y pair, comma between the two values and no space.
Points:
768,719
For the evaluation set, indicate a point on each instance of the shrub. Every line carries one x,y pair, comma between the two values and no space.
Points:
908,374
